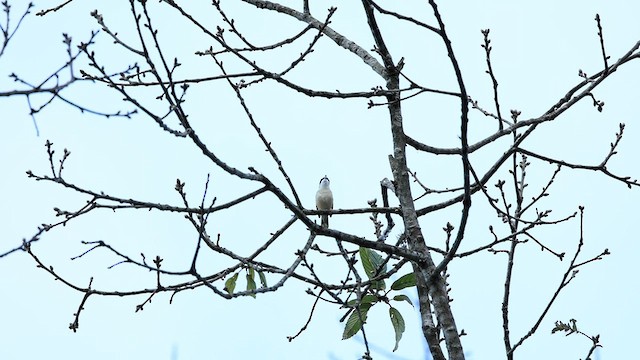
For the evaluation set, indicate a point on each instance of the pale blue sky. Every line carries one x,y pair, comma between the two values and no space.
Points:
538,48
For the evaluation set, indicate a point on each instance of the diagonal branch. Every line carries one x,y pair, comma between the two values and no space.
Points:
338,38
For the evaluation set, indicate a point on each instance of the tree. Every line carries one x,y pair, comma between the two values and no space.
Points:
198,92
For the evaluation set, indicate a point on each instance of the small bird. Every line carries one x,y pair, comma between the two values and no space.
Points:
324,200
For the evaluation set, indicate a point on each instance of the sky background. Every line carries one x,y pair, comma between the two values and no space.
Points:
538,48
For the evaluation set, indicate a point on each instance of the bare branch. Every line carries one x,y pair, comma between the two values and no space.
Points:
338,38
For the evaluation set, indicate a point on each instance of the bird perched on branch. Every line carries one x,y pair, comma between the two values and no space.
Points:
324,200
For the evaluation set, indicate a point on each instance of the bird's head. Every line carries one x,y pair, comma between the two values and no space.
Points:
324,182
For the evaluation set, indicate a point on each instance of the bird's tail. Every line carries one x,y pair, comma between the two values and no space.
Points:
325,221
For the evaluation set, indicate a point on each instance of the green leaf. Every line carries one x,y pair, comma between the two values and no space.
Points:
263,279
367,263
251,282
371,262
355,321
367,299
405,281
378,285
398,324
230,284
402,298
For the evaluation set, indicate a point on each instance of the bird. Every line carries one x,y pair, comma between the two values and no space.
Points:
324,200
